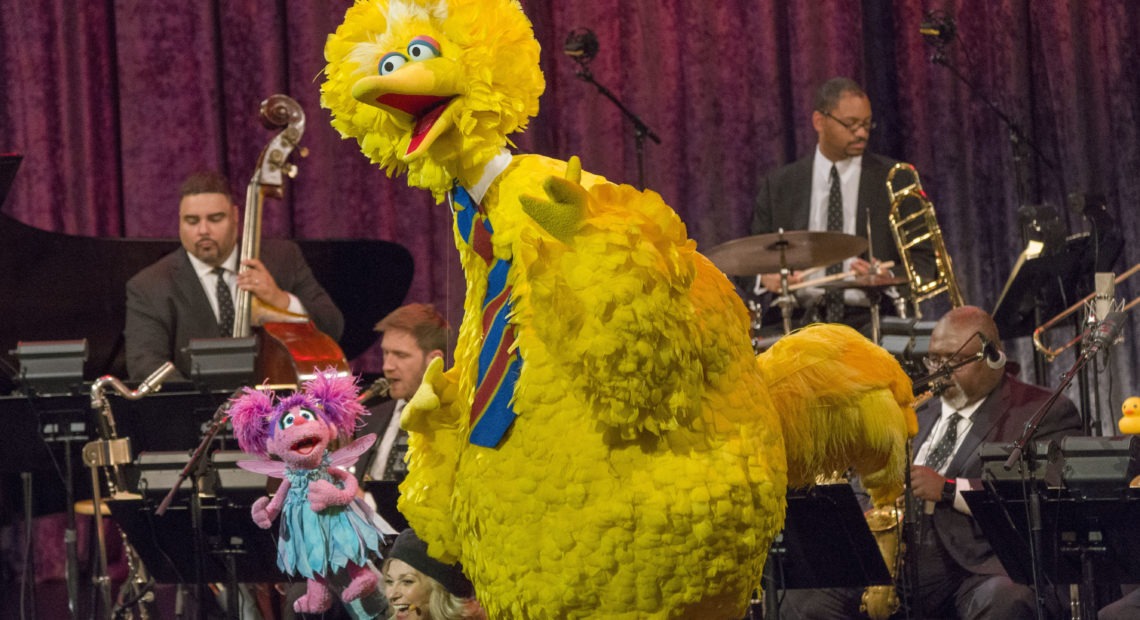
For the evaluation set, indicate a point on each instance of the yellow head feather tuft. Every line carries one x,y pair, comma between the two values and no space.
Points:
491,61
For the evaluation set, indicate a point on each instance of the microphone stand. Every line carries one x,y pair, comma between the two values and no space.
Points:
1027,457
640,129
1018,142
194,468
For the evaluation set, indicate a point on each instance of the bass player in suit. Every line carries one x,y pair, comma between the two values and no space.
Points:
189,293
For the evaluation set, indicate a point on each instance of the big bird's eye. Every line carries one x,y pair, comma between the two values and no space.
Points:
391,61
423,48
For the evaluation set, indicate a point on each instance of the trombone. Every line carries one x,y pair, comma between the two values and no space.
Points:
1052,353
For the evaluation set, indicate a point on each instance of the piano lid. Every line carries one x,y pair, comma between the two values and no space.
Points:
9,164
67,287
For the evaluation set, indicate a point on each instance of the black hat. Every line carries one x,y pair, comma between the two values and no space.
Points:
410,549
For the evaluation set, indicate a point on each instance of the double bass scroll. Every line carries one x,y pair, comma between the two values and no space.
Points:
290,347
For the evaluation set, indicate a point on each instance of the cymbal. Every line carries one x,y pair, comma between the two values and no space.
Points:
869,281
803,249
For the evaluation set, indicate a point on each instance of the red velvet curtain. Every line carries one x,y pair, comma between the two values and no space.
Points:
113,102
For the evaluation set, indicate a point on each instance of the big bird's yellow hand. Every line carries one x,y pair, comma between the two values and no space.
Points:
432,401
562,211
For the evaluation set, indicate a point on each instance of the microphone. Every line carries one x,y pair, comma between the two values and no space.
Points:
581,45
1105,289
153,383
1104,334
995,357
379,388
938,28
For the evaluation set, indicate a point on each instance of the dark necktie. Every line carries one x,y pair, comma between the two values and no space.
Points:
833,299
225,304
395,468
945,446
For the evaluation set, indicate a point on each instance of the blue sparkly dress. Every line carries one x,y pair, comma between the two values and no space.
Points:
313,543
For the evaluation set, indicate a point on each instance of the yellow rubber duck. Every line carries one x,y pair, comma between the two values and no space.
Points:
1130,423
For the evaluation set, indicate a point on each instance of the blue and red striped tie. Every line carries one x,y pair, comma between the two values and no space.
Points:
492,412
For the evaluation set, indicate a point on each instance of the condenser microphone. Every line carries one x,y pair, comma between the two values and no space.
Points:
1105,333
379,388
995,357
1105,291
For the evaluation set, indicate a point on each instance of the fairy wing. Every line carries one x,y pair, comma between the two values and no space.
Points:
274,469
350,453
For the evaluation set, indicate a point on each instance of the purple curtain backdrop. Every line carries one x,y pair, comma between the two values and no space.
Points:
113,102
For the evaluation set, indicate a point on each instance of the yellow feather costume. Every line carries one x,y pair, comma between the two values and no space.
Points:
645,474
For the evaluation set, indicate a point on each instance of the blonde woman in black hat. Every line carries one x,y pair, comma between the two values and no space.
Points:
419,587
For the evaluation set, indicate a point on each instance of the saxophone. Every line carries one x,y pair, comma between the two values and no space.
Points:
885,523
111,452
879,602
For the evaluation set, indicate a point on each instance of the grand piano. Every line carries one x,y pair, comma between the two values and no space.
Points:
65,287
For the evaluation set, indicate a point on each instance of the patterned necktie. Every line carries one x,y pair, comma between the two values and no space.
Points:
833,299
225,304
500,363
395,468
945,446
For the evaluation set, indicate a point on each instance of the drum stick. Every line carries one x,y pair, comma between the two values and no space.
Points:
833,277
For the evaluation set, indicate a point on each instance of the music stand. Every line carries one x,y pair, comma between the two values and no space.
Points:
825,544
166,544
1088,527
169,420
1043,286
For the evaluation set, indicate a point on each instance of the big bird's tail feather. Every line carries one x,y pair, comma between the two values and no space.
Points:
843,402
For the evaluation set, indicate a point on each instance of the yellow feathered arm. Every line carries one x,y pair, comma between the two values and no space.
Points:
616,267
436,427
843,401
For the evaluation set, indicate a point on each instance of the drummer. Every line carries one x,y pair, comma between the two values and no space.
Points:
836,187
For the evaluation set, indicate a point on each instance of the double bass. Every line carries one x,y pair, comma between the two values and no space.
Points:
290,347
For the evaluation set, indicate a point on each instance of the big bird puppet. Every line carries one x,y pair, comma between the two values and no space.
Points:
606,444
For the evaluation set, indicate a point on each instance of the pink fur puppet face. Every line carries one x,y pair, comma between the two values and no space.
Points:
300,436
298,428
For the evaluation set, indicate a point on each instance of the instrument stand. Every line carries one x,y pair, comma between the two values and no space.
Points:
640,129
786,301
28,581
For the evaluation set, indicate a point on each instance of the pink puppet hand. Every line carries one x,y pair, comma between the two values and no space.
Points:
261,514
323,494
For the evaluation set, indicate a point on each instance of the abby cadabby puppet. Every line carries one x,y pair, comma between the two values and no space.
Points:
326,531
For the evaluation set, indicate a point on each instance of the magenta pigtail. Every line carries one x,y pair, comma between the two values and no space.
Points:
252,417
336,394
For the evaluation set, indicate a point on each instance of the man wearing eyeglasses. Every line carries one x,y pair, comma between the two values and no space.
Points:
836,187
957,572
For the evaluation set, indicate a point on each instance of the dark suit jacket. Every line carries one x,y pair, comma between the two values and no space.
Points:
784,201
166,306
376,422
1000,418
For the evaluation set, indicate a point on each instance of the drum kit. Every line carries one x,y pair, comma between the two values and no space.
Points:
784,252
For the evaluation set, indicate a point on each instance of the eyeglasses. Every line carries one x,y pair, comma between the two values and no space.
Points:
934,362
853,126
